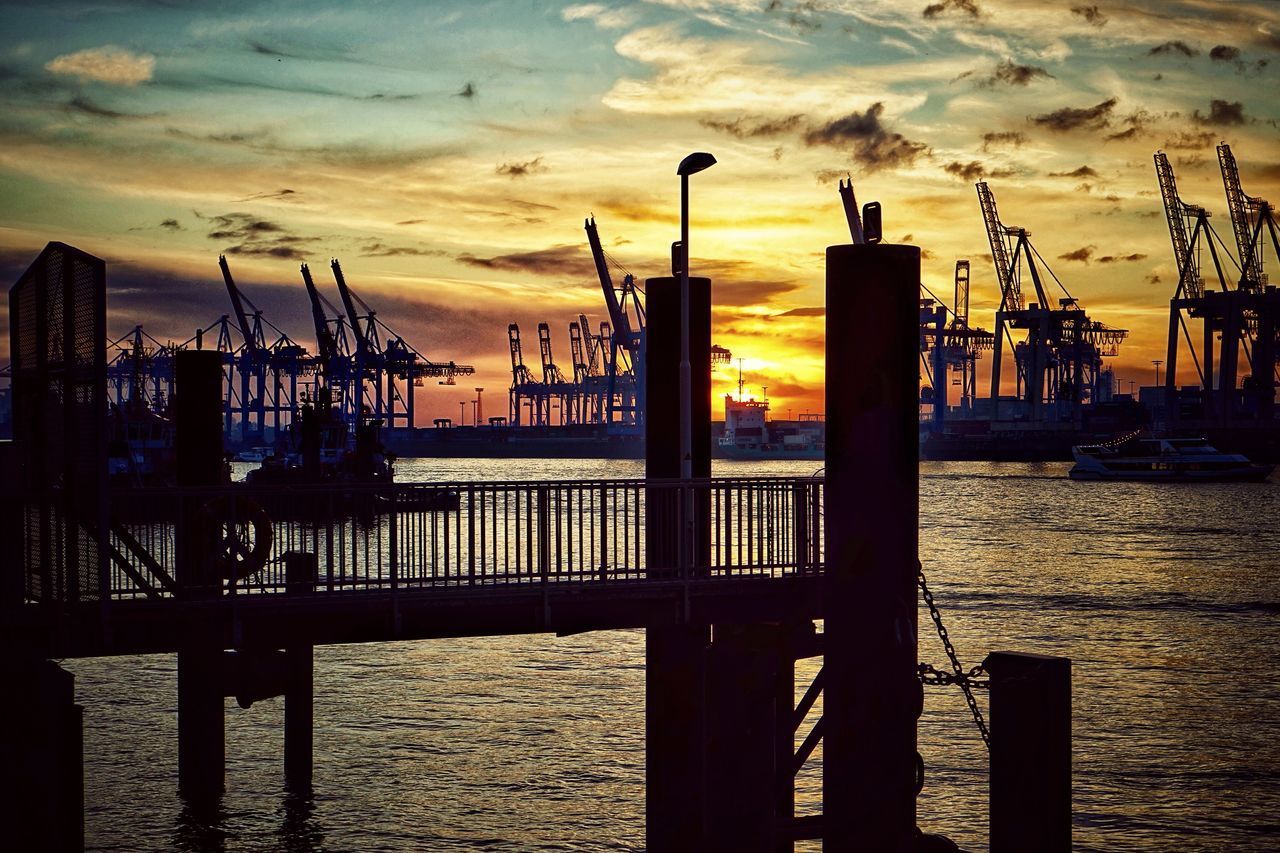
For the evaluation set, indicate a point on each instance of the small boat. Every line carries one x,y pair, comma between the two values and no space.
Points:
1175,459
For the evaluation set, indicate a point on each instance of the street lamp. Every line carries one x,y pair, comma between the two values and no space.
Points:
1157,362
691,165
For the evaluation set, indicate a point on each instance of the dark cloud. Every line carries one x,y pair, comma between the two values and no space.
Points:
83,105
873,145
1083,254
731,285
1002,138
371,248
568,261
1092,14
267,50
276,195
1171,47
172,225
964,7
1131,133
1188,141
817,311
411,222
1012,74
829,176
1224,53
971,171
257,237
1078,118
1153,278
383,96
748,127
468,90
1082,172
1222,113
1115,259
520,170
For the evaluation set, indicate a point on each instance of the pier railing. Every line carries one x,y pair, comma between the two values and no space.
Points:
237,540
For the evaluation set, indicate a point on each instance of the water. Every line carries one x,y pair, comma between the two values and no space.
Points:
1166,597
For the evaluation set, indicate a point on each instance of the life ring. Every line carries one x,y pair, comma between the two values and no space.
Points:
240,536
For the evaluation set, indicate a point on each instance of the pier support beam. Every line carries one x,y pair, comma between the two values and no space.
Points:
41,758
198,446
872,694
1030,752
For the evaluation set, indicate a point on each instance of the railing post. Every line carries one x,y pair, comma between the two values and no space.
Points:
604,531
1030,752
544,531
800,499
393,555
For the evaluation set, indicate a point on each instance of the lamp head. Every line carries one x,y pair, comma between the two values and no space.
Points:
695,162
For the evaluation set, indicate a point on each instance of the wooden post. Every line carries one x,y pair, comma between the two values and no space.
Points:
872,691
1030,752
300,572
198,447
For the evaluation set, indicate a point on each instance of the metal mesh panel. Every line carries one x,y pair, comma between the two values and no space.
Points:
58,311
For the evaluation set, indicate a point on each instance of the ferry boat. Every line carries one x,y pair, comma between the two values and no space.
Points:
1173,459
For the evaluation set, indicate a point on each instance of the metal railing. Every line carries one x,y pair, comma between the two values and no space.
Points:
234,540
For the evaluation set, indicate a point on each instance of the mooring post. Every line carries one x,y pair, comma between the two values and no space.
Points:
675,652
198,447
871,694
41,757
1030,752
300,572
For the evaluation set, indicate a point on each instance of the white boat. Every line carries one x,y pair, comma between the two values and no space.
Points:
1175,459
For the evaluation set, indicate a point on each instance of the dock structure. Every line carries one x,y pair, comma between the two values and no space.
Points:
728,575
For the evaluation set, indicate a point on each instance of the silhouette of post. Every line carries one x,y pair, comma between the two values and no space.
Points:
1030,752
300,570
675,653
872,695
198,448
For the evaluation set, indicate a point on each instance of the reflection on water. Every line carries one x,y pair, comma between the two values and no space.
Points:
1166,597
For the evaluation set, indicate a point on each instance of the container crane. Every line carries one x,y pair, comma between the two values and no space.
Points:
1249,217
523,384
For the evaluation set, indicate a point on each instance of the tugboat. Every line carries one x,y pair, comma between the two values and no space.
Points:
1172,459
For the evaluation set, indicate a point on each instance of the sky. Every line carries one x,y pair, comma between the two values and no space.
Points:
448,154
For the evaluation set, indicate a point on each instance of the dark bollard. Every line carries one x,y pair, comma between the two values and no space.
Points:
198,447
300,571
1030,752
872,693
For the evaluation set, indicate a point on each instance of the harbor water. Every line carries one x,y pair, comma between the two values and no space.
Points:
1165,596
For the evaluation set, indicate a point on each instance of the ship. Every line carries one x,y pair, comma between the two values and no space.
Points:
749,434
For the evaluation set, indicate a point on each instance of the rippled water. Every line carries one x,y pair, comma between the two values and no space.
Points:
1166,597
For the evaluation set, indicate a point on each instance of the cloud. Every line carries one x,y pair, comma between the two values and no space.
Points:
964,7
999,138
565,261
266,50
82,104
1224,53
284,194
1013,74
1171,47
1082,172
972,171
874,146
111,65
1115,259
749,127
520,170
372,248
603,17
1092,14
468,91
257,237
1222,113
172,225
1188,141
817,311
1083,254
1073,118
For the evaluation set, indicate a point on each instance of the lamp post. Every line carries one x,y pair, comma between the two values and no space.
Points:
1157,362
690,165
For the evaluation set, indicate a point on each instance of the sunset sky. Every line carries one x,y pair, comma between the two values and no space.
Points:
447,154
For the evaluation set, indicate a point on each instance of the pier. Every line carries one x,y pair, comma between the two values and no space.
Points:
727,576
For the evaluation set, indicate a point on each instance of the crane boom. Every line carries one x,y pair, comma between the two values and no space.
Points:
621,323
242,319
1243,211
961,302
362,345
1010,292
550,373
851,211
1176,212
324,337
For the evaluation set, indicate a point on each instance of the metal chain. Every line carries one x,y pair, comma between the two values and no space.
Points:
966,679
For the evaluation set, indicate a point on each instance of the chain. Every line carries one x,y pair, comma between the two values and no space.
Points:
967,679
